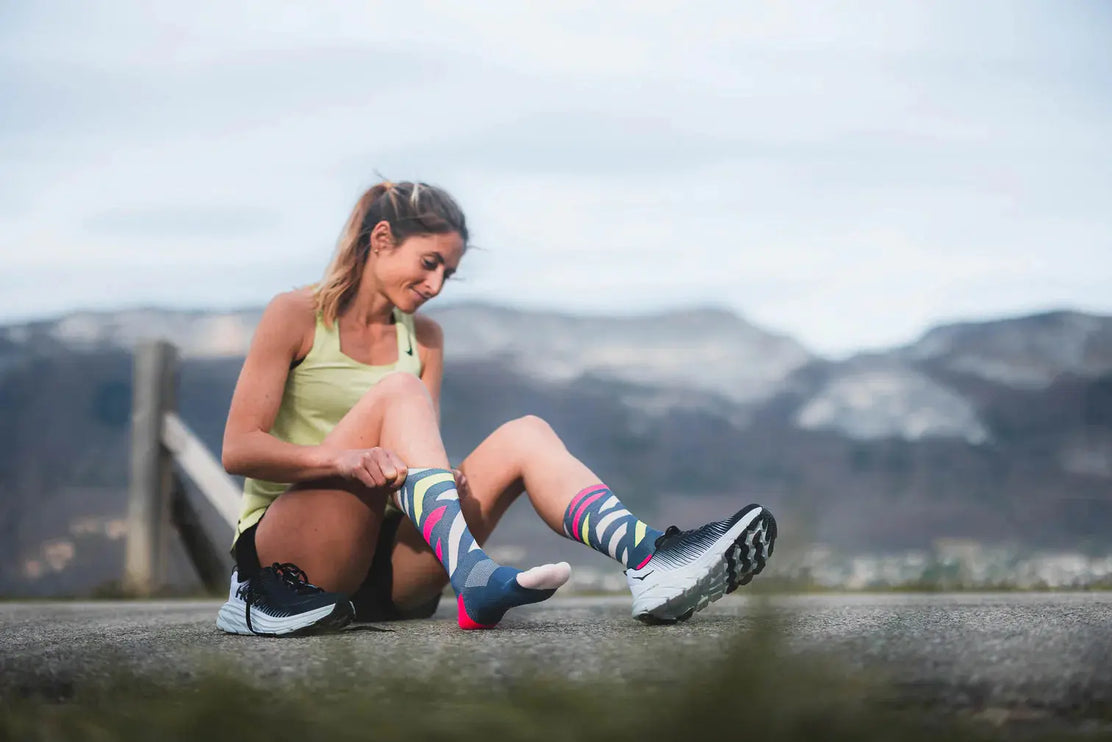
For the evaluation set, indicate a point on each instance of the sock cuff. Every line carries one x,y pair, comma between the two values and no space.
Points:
418,470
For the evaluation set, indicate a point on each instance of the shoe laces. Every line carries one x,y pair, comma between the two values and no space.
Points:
294,578
669,533
674,535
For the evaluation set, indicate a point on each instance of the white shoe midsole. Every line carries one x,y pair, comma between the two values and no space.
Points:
233,619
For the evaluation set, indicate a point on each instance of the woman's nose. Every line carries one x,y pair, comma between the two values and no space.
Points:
434,283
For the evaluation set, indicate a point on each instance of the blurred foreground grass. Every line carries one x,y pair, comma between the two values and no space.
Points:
755,689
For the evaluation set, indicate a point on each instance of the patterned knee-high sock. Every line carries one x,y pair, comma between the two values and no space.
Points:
485,590
597,518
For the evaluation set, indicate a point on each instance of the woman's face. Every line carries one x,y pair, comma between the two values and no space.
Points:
413,272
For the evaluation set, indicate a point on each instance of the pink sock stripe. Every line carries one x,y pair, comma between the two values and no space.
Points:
582,510
465,621
578,499
431,521
439,553
642,564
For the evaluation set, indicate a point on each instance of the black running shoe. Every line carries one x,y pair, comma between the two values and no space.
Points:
280,601
689,570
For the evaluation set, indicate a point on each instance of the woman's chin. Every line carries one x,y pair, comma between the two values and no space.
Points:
409,303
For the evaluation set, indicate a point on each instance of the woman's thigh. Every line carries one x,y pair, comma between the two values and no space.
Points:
326,529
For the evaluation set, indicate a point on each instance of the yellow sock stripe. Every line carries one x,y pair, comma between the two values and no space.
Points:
583,531
638,533
422,488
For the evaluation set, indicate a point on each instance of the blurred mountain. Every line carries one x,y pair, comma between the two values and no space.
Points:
1029,353
996,431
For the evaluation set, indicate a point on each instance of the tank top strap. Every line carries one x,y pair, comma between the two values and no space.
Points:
326,340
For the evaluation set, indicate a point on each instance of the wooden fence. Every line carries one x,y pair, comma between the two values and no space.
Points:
162,449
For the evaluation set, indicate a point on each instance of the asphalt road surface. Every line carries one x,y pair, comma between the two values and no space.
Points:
1048,654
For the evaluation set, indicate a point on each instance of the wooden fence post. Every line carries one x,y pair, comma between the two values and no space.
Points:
148,513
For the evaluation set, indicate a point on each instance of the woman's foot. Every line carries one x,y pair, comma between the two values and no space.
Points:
280,601
482,606
689,570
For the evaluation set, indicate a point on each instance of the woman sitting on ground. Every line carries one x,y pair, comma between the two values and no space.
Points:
335,423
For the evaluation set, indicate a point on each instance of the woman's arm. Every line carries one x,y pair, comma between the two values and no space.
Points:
430,346
249,450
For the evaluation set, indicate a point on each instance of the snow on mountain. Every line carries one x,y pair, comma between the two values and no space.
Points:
1025,352
700,359
197,334
872,397
709,351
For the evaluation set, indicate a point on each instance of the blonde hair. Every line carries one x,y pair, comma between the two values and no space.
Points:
409,209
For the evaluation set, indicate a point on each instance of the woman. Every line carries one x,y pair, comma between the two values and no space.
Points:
335,423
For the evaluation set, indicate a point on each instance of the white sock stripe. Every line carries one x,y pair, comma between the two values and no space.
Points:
610,502
600,529
459,525
612,547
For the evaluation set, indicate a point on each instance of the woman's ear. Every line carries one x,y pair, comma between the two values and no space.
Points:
382,237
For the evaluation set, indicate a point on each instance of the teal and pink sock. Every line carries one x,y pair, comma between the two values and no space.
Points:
484,589
597,518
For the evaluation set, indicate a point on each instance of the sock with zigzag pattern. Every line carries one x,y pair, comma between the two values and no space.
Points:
484,589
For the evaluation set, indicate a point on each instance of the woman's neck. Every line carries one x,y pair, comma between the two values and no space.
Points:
369,307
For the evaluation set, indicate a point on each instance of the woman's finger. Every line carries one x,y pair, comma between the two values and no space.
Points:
363,476
385,464
373,470
461,483
399,467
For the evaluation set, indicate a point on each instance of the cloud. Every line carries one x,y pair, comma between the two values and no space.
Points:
224,220
850,174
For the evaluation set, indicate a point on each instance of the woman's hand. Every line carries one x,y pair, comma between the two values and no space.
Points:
377,468
463,489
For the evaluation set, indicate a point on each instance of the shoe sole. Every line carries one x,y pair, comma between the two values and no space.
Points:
232,619
731,562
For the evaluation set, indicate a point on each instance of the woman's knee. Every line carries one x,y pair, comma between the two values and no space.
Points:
529,433
361,426
398,387
533,426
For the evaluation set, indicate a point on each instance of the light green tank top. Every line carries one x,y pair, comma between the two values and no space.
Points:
319,391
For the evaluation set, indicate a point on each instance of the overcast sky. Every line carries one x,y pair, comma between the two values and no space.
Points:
846,173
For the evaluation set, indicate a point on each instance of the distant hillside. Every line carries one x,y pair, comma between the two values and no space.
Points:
998,431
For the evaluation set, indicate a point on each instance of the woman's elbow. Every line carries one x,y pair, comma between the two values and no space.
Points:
231,459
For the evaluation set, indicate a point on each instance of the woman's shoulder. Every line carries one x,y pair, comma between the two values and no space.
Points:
296,305
291,315
428,330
